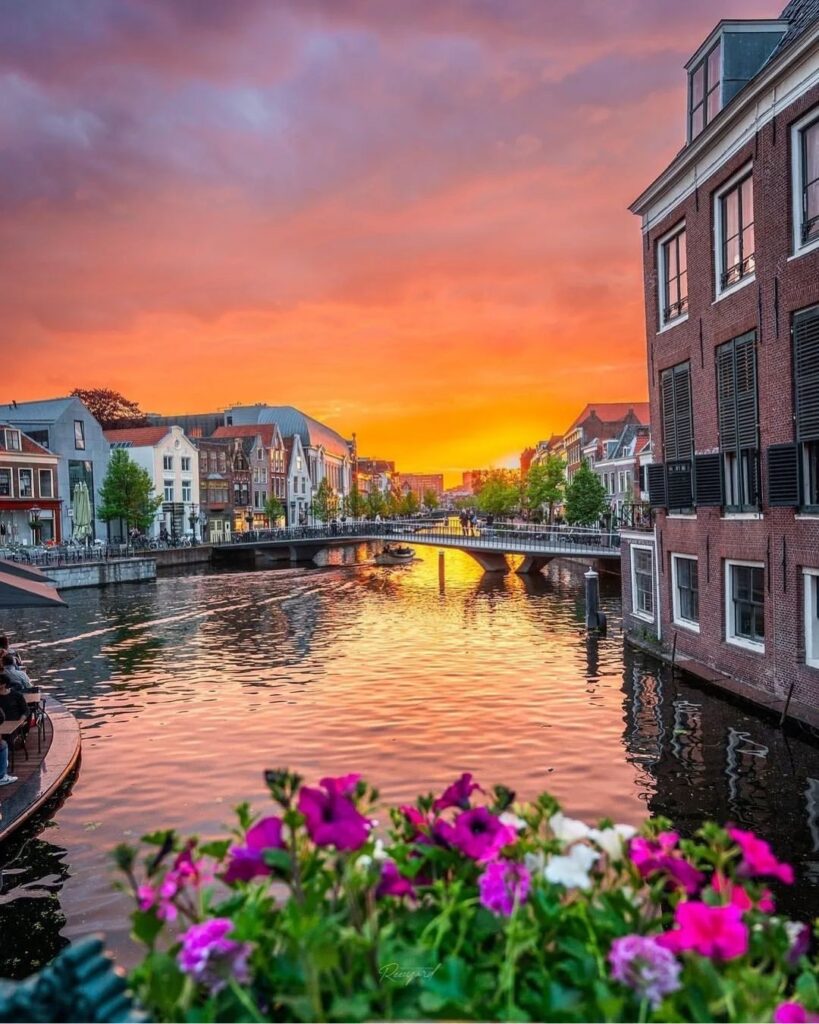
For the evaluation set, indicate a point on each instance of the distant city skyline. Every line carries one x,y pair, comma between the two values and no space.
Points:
409,221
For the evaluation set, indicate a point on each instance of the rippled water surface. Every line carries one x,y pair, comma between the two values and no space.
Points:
188,687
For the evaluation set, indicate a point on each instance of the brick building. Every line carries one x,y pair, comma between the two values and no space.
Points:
29,502
603,421
419,483
731,254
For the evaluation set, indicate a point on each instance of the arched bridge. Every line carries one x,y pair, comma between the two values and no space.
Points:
488,545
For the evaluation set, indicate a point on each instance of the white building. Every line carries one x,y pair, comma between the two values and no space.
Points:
172,462
299,485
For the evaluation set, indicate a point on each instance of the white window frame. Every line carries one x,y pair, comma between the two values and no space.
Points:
30,471
638,612
810,578
40,471
799,248
726,187
675,600
10,471
167,462
663,324
79,436
13,440
165,485
731,638
187,486
185,463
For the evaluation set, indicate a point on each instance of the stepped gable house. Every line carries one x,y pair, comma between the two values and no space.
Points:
730,234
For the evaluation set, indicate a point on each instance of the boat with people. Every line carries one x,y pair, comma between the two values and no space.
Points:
392,554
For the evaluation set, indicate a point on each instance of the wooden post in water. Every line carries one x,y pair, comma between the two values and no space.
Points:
441,574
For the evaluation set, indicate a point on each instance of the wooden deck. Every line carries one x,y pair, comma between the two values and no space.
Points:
41,774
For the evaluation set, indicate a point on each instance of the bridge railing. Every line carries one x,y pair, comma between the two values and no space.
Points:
498,536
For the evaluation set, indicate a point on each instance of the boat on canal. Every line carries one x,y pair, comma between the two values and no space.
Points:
394,555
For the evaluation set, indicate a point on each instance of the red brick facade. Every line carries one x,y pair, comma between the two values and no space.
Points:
780,538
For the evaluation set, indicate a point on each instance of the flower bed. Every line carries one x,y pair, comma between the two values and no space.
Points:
475,907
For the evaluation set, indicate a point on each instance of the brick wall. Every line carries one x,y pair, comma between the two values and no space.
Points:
783,542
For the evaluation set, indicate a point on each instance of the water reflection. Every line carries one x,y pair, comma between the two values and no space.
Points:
187,688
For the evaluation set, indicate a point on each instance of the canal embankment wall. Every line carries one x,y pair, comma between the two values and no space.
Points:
102,573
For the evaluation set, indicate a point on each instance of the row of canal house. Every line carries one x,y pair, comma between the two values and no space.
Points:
729,572
214,476
614,440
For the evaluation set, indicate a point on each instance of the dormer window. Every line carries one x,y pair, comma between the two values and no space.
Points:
704,91
673,277
12,440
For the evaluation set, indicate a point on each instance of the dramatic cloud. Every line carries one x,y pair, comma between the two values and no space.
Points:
409,218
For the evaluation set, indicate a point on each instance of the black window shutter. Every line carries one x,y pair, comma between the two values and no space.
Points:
656,485
726,390
745,352
806,373
783,476
680,493
669,423
708,479
682,411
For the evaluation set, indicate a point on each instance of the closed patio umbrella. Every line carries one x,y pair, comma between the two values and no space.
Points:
16,592
82,512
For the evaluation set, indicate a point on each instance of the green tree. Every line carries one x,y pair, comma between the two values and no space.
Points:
355,504
462,503
273,509
410,505
546,484
500,493
127,493
374,504
431,499
111,409
325,502
585,498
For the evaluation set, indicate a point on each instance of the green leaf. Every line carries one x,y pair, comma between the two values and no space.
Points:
145,926
355,1007
279,859
217,849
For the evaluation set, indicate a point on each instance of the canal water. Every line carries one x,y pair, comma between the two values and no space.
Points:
189,687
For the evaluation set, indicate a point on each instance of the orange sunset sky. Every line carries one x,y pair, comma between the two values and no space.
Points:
406,217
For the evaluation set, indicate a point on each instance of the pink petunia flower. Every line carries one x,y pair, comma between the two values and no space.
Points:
332,819
247,862
758,858
793,1013
392,882
645,966
716,932
504,883
479,834
458,794
660,855
739,897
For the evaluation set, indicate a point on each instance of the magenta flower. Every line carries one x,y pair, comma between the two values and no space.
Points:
247,861
660,855
758,858
211,958
739,897
793,1013
458,794
716,932
392,882
185,871
479,834
503,884
332,819
799,933
645,966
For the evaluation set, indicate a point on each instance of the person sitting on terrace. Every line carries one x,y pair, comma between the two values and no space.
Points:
12,702
5,649
17,678
5,778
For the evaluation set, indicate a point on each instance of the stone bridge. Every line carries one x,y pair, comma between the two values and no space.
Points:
488,545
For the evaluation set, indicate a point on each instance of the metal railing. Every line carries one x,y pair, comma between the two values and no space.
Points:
67,554
508,537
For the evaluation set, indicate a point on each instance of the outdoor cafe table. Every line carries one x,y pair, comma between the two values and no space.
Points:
8,730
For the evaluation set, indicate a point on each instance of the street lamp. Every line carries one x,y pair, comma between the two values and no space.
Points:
193,518
34,522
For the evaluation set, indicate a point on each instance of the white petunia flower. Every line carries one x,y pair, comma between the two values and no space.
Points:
572,870
379,853
568,830
512,820
613,840
365,861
